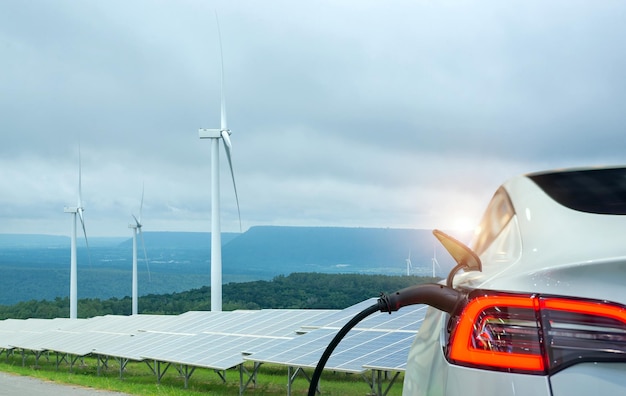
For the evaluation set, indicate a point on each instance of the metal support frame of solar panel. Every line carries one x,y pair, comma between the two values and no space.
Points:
217,352
131,350
202,350
125,350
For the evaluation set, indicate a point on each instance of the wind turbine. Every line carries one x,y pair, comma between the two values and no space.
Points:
136,227
409,266
75,210
216,240
434,261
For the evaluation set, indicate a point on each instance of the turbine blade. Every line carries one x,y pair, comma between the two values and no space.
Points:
82,223
136,221
227,148
227,143
140,205
80,193
223,123
145,255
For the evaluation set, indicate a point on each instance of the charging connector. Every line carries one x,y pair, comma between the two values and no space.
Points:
442,297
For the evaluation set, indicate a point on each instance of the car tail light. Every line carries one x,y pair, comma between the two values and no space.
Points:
535,334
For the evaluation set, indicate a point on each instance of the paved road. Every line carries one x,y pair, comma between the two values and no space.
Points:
17,385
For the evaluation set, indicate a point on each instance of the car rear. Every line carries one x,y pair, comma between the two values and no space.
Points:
547,315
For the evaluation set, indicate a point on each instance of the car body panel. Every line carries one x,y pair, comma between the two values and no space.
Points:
590,379
474,382
426,366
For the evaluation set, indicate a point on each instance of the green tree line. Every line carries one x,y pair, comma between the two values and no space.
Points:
295,291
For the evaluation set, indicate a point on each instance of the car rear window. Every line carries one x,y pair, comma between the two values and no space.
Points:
601,191
497,215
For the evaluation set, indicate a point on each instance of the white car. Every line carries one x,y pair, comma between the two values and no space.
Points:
543,307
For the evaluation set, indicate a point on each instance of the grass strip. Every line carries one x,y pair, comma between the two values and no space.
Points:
138,378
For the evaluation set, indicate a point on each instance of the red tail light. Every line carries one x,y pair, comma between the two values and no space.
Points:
535,333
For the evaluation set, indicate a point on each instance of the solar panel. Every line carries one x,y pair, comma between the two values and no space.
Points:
353,352
379,335
79,344
339,318
202,350
194,322
263,344
355,358
135,347
77,336
28,334
393,361
266,322
278,322
408,318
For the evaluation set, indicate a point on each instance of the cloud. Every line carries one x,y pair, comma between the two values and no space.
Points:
403,114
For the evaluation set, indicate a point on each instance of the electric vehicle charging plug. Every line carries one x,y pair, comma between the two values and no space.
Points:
442,297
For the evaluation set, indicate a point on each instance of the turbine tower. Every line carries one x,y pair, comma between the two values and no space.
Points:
216,240
136,227
434,261
75,210
409,266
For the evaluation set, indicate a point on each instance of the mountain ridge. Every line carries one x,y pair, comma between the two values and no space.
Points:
179,261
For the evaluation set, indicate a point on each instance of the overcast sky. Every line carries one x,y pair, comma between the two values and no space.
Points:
404,114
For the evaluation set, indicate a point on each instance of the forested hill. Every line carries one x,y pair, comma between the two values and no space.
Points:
298,290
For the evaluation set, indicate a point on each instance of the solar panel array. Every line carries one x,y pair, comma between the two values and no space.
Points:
224,340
